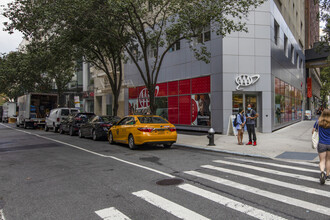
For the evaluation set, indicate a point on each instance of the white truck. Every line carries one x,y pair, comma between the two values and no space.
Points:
33,108
9,111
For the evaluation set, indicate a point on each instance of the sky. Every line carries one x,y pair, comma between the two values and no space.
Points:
8,42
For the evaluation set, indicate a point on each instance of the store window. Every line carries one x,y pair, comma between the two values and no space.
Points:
184,102
288,101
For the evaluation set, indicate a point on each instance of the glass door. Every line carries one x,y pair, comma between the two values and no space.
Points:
237,103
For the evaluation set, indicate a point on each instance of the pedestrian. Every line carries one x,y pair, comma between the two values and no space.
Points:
240,125
323,148
251,116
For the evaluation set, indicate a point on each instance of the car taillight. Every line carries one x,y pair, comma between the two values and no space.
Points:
77,119
58,119
106,125
146,129
172,129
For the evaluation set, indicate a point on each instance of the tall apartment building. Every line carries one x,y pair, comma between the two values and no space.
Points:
264,68
312,36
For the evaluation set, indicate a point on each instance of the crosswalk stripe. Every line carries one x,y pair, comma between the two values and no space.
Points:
238,206
274,196
271,181
276,172
111,214
299,162
171,207
276,165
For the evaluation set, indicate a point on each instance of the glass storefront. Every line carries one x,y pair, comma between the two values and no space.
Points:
288,101
184,102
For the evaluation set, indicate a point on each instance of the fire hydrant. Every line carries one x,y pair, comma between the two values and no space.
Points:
210,136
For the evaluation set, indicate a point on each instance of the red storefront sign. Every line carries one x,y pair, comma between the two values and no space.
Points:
186,101
309,87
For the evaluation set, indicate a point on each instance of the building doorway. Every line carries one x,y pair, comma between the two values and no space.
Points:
242,100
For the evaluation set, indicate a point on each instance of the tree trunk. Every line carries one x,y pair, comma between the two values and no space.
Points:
115,102
151,91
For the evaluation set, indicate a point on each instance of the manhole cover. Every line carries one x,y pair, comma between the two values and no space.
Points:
169,182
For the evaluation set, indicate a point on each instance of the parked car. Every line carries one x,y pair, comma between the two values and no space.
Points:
97,127
143,129
72,124
56,116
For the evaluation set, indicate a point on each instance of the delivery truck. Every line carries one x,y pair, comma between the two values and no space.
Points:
33,109
8,111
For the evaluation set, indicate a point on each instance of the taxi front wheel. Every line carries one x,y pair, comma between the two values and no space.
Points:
131,143
110,138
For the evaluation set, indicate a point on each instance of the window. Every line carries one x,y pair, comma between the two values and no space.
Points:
300,63
176,46
285,45
276,31
301,27
152,52
292,53
297,59
206,35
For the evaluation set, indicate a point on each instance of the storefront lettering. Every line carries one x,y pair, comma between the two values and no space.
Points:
245,80
144,97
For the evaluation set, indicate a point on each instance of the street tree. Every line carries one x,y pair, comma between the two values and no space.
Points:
153,27
55,61
19,74
86,25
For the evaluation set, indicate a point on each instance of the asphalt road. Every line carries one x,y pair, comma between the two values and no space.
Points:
45,175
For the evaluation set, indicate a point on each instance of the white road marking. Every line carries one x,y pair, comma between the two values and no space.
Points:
97,154
298,162
276,165
111,214
293,175
238,206
271,181
274,196
2,216
171,207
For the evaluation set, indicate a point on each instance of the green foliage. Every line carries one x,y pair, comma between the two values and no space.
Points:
19,74
101,30
325,80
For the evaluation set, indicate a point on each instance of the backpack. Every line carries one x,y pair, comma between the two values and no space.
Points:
235,121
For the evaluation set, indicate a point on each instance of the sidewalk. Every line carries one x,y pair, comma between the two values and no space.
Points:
292,142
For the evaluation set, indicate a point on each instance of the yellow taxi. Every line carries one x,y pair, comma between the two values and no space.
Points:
143,129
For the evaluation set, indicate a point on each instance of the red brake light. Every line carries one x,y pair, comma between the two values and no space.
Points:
77,119
105,125
146,129
172,129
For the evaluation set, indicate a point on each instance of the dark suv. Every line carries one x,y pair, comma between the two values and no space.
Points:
72,124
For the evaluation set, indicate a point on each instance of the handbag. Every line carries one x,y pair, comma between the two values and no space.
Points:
315,139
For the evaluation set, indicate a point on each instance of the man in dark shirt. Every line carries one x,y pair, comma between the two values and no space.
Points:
251,116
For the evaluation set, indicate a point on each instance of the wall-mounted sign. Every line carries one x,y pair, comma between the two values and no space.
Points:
309,87
144,97
245,80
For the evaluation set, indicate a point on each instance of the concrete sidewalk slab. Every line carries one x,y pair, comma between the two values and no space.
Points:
296,138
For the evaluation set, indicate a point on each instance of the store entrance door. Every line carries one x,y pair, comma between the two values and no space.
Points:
242,100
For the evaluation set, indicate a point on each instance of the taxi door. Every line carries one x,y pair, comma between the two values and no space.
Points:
117,130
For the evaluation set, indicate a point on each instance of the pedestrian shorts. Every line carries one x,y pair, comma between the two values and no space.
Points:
323,148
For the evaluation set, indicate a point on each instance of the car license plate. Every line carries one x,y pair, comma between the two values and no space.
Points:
161,132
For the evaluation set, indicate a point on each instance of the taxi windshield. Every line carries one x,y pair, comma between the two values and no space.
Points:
152,120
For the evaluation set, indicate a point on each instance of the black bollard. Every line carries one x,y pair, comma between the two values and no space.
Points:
210,136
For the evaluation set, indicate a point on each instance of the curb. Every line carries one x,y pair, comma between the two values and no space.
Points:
223,151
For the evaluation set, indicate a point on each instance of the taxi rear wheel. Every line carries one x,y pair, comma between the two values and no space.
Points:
131,143
167,145
111,138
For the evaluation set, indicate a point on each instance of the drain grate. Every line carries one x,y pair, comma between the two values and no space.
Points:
170,182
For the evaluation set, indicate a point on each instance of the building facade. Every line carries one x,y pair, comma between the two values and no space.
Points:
264,68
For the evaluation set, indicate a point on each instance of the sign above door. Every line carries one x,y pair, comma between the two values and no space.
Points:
245,80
